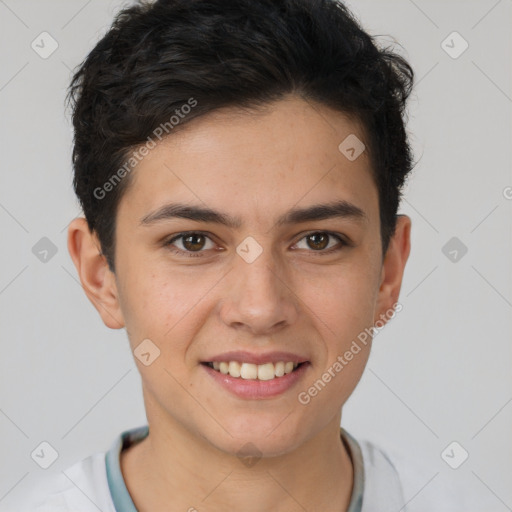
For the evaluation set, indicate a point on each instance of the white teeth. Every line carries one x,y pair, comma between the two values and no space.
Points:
279,369
288,367
267,371
234,369
247,371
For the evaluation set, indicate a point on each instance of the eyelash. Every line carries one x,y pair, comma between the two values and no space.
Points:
198,254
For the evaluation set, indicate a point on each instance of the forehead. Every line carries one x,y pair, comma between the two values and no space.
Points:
293,152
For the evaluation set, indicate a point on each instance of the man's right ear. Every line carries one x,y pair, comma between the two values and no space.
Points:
98,281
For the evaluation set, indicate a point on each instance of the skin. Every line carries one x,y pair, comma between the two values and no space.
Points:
257,167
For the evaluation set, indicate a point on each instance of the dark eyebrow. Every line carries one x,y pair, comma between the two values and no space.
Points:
338,209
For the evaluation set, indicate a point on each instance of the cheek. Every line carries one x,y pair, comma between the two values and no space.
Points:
161,305
346,305
150,302
343,300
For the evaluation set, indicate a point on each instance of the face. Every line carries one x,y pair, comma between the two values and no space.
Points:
267,282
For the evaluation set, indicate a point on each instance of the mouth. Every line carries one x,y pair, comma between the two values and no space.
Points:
250,381
249,371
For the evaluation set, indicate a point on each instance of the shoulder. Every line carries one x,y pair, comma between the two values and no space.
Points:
82,487
423,487
382,485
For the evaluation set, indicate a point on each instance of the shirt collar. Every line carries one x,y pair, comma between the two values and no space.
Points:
119,493
124,503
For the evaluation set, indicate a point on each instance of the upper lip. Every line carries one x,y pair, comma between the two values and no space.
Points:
260,358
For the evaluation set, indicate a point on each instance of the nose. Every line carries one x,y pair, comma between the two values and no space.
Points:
260,298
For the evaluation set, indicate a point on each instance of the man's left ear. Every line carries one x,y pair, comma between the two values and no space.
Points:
393,267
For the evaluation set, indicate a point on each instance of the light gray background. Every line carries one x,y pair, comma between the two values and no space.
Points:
439,372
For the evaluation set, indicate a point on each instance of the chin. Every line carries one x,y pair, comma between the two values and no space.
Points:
257,438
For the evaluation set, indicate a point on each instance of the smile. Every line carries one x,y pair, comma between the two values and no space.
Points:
267,371
256,381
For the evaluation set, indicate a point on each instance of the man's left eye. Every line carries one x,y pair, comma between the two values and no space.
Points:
319,241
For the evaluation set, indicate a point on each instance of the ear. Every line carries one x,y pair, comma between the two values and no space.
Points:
98,281
393,268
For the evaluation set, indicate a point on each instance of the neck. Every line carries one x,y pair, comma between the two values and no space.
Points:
172,469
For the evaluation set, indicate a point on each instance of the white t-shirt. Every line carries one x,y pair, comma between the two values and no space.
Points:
96,483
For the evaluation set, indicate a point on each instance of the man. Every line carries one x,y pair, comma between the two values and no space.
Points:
239,165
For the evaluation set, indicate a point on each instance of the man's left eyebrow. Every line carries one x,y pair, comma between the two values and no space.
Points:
339,209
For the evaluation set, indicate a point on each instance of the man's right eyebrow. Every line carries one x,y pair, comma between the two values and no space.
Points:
338,209
190,212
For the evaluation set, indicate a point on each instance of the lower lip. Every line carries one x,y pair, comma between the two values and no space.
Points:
257,389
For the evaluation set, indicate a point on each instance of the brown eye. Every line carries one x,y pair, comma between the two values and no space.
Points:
194,242
320,240
191,242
